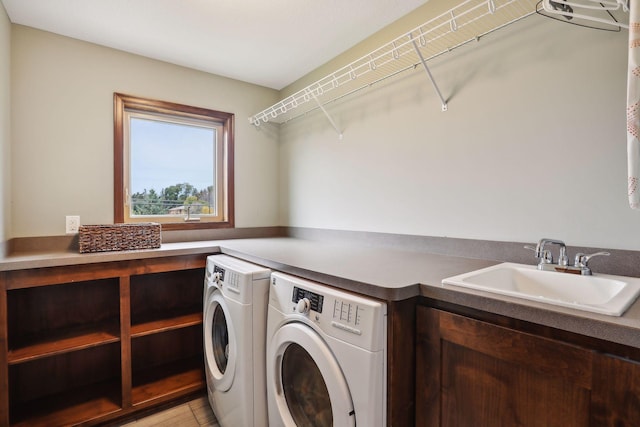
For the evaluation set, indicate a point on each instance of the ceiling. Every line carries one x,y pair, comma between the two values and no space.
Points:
271,43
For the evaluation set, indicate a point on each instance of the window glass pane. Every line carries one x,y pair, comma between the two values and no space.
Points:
171,168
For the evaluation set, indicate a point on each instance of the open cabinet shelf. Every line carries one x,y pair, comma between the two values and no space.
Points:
63,341
71,407
176,321
66,388
168,381
166,300
90,351
167,363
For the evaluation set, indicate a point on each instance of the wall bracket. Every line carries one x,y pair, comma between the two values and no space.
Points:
333,124
426,69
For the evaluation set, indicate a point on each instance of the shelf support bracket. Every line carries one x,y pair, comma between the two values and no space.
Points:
333,124
426,69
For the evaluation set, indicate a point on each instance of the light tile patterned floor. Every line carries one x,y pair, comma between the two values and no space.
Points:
195,413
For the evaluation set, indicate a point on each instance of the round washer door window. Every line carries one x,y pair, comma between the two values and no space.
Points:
219,342
220,339
310,387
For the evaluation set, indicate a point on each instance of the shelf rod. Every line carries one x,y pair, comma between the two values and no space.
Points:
337,129
426,68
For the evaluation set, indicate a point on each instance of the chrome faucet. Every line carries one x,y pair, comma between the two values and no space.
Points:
546,258
562,254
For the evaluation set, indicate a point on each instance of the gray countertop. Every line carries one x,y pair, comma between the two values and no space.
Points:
387,274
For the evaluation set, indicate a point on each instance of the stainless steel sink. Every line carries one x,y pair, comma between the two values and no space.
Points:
599,293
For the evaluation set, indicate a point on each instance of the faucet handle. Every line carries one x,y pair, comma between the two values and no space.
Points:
582,259
546,256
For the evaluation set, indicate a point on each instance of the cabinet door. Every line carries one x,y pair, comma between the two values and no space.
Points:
472,373
616,392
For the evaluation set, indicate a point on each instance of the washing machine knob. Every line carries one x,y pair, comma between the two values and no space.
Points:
303,305
216,277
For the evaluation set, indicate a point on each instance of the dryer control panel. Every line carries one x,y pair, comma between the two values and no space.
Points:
315,300
220,272
229,280
235,278
352,318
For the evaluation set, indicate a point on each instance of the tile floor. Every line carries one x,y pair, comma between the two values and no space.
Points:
194,413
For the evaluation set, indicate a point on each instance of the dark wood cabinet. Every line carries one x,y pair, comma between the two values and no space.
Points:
90,343
87,344
616,392
474,373
166,334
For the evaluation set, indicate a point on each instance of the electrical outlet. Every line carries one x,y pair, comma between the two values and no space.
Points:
73,224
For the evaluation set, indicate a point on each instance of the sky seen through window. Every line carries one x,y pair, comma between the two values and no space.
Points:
164,154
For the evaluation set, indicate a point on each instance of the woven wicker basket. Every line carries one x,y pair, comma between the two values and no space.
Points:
119,237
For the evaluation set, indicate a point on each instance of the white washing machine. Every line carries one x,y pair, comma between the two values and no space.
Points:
326,356
235,315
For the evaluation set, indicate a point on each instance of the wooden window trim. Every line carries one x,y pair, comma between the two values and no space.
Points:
122,102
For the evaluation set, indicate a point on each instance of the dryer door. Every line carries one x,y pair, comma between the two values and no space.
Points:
308,384
219,342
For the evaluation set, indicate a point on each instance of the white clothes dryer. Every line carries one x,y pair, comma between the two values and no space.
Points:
235,306
326,356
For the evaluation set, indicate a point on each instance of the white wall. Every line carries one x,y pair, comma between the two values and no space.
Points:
5,129
62,129
533,145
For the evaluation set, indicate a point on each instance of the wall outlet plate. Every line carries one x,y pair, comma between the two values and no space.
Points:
72,224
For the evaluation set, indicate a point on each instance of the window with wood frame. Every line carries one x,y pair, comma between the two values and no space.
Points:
173,164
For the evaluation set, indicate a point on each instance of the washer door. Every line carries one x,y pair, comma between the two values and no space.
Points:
219,342
310,388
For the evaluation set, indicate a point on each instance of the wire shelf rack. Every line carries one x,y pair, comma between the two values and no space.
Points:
466,22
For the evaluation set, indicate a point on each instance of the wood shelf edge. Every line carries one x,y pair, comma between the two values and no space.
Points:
167,382
168,324
69,408
63,342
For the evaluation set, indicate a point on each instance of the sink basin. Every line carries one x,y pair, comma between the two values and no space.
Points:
600,293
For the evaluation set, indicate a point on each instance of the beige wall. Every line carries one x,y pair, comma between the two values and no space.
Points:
533,145
62,127
5,128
